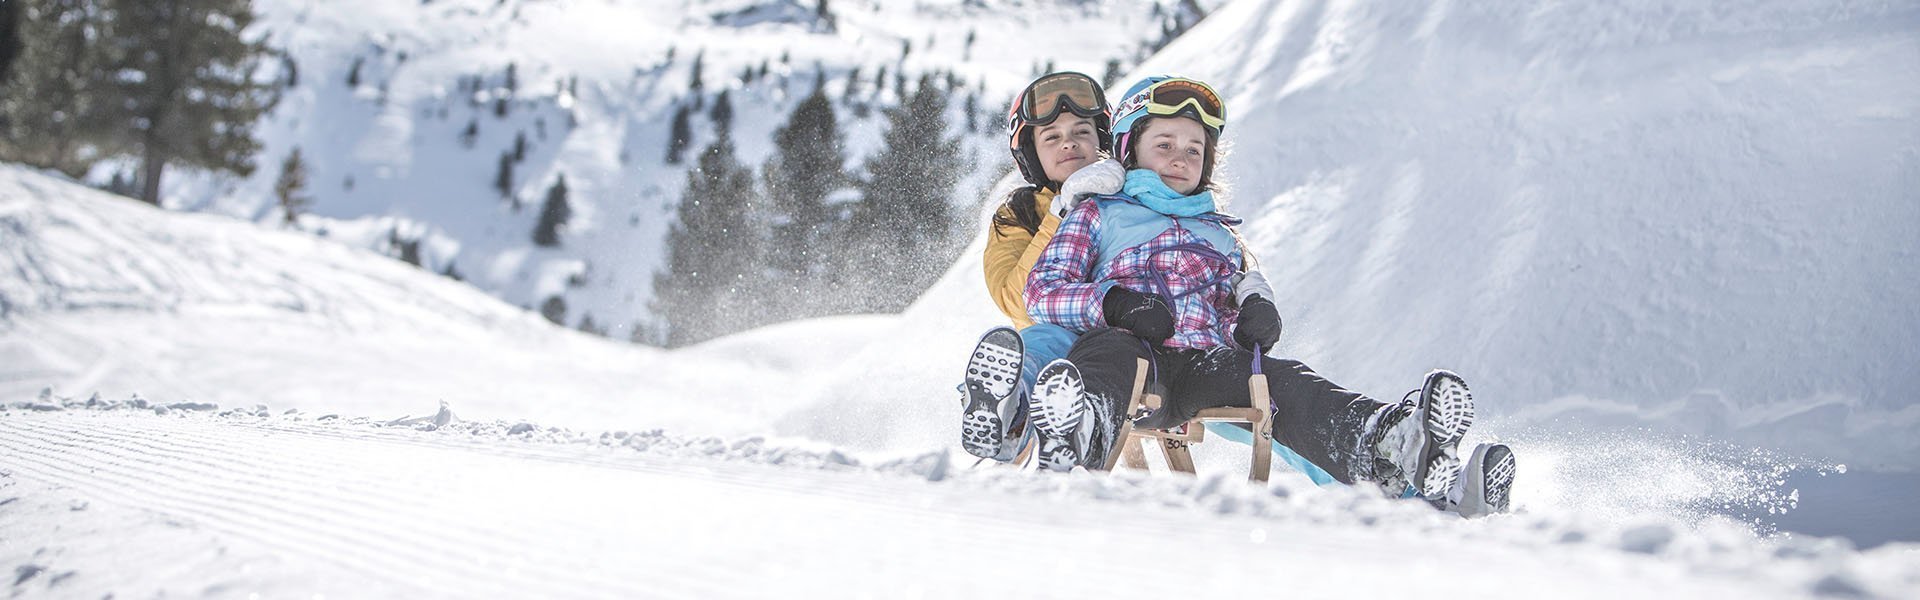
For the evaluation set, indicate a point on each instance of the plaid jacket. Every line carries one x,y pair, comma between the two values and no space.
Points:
1115,241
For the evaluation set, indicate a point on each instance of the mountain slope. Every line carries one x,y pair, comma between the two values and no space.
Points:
1696,218
387,90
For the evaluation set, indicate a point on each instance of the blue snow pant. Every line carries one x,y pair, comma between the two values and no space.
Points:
1044,343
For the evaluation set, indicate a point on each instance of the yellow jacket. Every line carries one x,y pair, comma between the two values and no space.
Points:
1011,252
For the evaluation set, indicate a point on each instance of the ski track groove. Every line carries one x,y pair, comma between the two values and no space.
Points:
241,519
363,539
356,499
256,481
480,537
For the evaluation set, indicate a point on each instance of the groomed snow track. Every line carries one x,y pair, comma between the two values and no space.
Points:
241,503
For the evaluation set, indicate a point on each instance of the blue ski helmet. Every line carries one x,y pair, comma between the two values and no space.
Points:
1167,96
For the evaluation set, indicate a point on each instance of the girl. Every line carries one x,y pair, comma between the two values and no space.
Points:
1058,132
1156,272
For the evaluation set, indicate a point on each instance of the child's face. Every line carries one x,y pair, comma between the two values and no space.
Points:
1065,145
1176,148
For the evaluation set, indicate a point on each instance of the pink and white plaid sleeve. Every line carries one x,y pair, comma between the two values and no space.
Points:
1061,289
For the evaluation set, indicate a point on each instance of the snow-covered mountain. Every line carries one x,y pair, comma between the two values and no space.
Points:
592,87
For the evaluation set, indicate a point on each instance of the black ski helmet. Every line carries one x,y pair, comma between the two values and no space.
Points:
1040,103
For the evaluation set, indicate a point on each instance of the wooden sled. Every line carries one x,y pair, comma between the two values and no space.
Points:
1174,442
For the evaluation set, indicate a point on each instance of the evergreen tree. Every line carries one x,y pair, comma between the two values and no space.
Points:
520,146
470,134
56,108
1112,75
186,76
554,214
555,310
681,135
902,228
722,115
288,188
713,253
9,37
809,155
973,112
503,175
853,84
353,73
696,87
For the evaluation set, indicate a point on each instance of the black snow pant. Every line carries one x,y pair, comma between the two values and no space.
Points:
1320,421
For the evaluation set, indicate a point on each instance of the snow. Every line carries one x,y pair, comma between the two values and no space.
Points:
1669,246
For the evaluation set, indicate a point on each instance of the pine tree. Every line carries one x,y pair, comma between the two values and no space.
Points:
186,74
9,37
57,110
681,136
288,188
555,310
806,166
901,228
554,214
722,115
520,146
503,175
853,84
713,253
470,134
695,86
1112,75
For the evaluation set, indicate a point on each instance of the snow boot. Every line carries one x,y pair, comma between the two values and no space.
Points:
1485,482
993,422
1067,423
1414,443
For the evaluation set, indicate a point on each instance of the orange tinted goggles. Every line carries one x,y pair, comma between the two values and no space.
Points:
1186,96
1047,97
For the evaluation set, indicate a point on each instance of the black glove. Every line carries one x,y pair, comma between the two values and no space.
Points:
1259,324
1146,315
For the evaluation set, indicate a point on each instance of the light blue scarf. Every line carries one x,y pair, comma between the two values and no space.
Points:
1147,187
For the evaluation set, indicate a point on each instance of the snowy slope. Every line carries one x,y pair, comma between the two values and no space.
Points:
103,294
568,465
596,84
124,502
1640,216
1697,218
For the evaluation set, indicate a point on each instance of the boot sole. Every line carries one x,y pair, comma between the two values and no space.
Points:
993,371
1446,408
1494,488
1059,405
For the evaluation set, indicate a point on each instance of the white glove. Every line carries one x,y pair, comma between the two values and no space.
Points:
1103,177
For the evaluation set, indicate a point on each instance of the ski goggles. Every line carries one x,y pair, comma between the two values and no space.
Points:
1179,96
1046,97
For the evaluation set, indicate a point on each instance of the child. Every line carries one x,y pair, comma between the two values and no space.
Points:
1156,272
